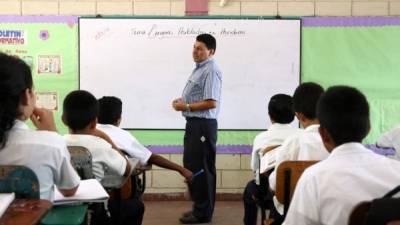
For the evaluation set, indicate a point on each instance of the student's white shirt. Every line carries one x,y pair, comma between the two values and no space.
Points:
45,153
275,135
125,141
328,191
305,145
104,157
391,139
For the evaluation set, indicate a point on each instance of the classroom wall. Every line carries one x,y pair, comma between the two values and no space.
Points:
233,173
233,170
177,7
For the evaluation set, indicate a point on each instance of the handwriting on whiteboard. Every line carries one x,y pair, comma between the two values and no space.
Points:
160,33
101,34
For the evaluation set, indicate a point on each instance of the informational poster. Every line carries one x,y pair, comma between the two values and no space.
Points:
47,100
49,45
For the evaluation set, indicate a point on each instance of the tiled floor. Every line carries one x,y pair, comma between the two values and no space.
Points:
168,212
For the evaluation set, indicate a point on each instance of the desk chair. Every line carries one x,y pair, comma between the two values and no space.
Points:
262,177
287,176
21,180
24,183
124,194
141,178
81,160
138,175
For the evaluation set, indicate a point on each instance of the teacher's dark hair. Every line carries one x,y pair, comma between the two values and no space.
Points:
208,40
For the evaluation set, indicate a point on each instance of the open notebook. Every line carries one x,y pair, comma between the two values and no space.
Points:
88,191
5,201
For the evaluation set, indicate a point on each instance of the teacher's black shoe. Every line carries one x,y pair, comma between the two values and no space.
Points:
186,214
192,219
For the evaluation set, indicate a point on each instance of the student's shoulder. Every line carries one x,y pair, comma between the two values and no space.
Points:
49,138
383,160
87,141
44,143
295,137
396,128
261,135
394,132
97,142
124,132
114,130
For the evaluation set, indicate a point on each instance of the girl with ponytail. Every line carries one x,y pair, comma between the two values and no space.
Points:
43,151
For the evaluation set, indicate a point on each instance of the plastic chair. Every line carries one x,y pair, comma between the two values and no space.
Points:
19,179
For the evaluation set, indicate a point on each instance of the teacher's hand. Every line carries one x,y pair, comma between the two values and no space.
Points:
179,105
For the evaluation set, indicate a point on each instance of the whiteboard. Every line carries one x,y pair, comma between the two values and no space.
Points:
146,63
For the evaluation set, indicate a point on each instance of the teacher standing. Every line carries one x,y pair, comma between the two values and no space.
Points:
200,103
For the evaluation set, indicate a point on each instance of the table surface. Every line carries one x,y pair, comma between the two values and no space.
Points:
25,212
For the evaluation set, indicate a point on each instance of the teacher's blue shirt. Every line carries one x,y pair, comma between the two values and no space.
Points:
204,83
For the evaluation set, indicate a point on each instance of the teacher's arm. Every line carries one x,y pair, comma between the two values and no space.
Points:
180,105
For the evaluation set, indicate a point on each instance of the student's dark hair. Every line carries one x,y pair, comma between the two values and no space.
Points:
110,110
280,108
305,99
208,40
80,108
15,78
344,112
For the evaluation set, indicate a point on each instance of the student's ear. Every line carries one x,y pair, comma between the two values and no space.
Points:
270,119
326,139
212,51
118,122
93,123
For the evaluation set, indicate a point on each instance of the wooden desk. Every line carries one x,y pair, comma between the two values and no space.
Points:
25,212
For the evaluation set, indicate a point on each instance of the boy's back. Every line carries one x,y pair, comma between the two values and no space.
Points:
328,191
304,145
126,142
103,156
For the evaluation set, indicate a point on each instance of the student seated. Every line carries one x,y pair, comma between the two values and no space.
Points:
80,115
43,151
110,110
327,192
307,144
281,114
391,139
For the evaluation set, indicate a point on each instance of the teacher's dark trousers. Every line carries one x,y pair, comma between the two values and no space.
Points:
199,153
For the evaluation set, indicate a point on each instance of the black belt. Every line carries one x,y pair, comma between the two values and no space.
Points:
197,118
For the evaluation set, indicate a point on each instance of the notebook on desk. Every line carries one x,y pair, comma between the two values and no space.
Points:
88,191
5,201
